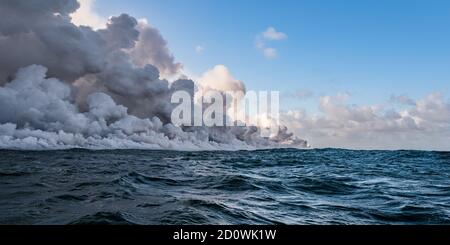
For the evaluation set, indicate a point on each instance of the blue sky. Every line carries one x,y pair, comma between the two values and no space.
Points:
370,49
376,72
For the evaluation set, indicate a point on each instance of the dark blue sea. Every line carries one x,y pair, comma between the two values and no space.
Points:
286,186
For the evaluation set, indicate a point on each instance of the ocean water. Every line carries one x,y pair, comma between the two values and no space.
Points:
286,186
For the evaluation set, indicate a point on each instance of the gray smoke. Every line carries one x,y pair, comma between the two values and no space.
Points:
151,48
64,86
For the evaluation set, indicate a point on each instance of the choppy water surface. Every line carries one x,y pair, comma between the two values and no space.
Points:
261,187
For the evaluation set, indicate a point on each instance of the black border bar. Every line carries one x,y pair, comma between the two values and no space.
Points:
127,234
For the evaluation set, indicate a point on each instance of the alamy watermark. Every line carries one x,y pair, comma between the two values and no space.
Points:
230,108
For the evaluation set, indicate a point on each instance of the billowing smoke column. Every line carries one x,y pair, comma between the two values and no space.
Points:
64,86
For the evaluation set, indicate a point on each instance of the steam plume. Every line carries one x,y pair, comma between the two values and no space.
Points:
65,86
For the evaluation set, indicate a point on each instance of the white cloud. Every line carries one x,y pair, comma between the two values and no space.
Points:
270,53
424,125
199,48
220,78
86,15
272,34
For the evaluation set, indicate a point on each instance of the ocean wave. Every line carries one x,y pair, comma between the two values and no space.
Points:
285,186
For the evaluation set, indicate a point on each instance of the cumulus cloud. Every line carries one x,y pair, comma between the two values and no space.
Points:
266,36
425,124
64,85
272,34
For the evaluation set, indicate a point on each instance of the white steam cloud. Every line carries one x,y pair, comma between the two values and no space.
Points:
86,16
65,86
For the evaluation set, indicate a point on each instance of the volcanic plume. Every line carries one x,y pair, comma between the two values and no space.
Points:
65,86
